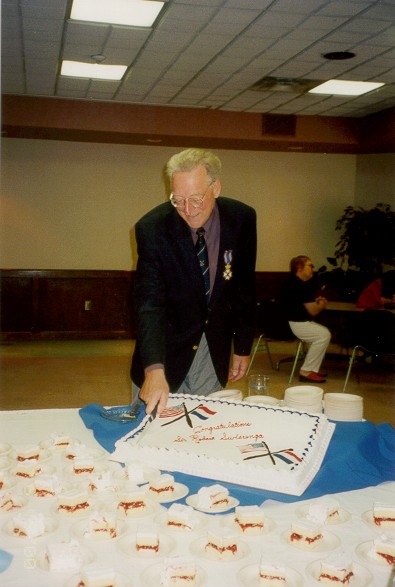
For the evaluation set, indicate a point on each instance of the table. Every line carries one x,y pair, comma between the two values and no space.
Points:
350,307
20,427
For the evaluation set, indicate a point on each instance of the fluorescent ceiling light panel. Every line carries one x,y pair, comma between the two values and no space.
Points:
338,87
124,12
92,70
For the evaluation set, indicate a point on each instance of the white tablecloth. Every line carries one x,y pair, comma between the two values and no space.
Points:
21,427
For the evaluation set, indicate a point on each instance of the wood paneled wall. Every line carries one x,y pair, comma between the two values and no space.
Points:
55,304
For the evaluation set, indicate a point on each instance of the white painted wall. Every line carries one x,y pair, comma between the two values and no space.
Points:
69,205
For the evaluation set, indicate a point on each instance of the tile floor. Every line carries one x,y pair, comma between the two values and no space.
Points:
62,374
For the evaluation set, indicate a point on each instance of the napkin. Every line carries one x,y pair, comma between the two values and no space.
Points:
107,432
5,560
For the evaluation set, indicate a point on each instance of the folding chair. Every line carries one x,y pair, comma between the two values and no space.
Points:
273,326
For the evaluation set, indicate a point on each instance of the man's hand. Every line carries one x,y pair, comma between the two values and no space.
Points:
239,367
155,391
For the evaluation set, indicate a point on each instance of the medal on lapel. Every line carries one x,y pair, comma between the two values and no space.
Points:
227,274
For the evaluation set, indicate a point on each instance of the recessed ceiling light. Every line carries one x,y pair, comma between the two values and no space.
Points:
124,12
338,87
92,70
338,55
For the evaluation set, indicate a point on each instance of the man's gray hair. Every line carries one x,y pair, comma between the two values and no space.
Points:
190,159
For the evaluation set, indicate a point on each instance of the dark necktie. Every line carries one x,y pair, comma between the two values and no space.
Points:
202,254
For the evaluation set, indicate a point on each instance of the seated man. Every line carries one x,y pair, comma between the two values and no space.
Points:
301,305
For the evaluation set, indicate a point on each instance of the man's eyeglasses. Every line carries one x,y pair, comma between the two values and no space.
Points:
196,201
309,265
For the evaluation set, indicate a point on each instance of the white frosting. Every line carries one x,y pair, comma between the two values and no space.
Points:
175,568
30,523
208,497
64,556
319,511
278,449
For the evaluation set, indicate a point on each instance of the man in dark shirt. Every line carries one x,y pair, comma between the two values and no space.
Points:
301,305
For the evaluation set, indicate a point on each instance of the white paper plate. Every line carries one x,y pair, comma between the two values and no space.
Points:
151,576
44,470
361,578
249,577
127,545
20,502
343,516
5,448
29,489
87,557
79,528
120,581
43,455
78,513
200,521
151,508
329,542
192,500
362,551
5,463
367,517
268,526
99,467
227,394
148,474
49,445
180,490
91,453
50,525
266,400
198,548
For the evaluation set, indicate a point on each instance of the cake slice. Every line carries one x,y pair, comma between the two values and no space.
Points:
28,453
102,482
336,570
30,524
181,516
384,515
383,549
59,441
101,524
93,577
323,511
250,519
178,572
212,497
73,501
222,543
306,534
271,574
64,556
132,499
8,502
147,539
162,487
28,469
47,485
82,466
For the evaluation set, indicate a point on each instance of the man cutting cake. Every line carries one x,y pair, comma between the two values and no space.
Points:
194,289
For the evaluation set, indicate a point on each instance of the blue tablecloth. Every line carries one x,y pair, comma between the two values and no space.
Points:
359,455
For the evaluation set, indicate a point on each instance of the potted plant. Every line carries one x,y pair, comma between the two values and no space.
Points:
366,244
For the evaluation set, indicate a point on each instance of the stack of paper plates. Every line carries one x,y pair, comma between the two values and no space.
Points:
344,407
225,394
307,398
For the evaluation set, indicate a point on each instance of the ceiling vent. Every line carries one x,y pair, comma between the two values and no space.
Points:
284,84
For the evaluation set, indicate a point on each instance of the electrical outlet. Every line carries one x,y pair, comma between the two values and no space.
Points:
88,305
